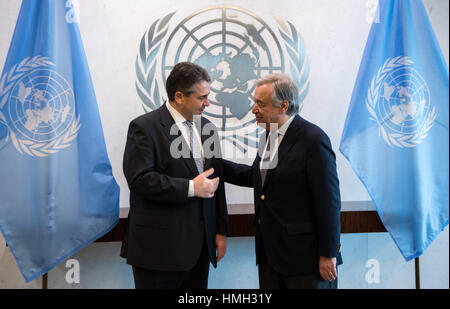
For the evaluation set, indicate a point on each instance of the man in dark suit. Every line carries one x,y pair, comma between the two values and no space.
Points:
178,217
296,192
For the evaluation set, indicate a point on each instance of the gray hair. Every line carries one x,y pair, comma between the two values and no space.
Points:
284,89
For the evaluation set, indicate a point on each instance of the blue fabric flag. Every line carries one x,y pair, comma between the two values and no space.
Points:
57,191
396,131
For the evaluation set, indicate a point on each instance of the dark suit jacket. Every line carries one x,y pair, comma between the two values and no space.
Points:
165,228
297,209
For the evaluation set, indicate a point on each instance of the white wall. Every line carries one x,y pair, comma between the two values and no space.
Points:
335,32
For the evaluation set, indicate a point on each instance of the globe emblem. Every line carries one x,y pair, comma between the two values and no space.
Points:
41,106
232,44
37,108
236,47
404,101
399,102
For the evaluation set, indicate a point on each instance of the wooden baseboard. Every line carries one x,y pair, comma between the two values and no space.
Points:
242,225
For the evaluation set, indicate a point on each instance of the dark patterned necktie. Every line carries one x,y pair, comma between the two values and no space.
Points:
195,147
265,161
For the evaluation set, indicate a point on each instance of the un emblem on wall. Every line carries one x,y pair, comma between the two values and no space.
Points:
37,107
399,101
236,47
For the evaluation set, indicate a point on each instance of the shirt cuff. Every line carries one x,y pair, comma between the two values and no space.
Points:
191,192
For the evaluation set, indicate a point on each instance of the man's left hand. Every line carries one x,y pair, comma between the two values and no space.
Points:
327,268
221,245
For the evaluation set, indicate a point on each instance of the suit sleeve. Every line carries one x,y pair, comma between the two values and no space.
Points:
140,172
324,186
238,174
222,223
213,150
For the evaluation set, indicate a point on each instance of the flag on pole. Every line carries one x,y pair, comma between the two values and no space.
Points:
396,132
57,191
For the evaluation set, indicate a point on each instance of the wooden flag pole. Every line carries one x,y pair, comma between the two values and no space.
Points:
44,281
417,267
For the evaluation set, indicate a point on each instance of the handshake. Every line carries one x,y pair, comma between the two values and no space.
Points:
205,187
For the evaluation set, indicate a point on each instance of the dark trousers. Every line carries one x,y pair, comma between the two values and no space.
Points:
196,278
269,278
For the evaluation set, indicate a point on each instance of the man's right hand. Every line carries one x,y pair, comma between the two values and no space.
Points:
205,187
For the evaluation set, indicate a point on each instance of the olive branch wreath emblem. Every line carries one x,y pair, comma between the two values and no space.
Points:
298,62
147,85
151,42
146,62
396,139
27,146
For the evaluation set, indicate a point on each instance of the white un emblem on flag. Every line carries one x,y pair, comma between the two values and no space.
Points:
399,101
37,106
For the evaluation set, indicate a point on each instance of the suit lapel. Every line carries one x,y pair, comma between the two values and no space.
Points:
207,134
256,163
208,161
258,172
288,141
167,122
289,138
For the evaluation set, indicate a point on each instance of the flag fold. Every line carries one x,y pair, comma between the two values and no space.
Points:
396,132
57,191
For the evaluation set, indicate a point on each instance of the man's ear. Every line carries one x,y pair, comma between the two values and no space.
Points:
284,107
179,97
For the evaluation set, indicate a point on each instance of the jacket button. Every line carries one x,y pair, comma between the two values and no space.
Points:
263,197
259,221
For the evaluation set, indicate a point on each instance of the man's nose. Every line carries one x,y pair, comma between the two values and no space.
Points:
255,108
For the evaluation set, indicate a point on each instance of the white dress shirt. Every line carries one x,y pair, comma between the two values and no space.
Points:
180,122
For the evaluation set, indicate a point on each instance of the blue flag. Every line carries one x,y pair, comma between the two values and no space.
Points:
396,131
57,190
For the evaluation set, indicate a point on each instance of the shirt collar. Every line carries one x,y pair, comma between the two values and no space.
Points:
177,117
282,130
